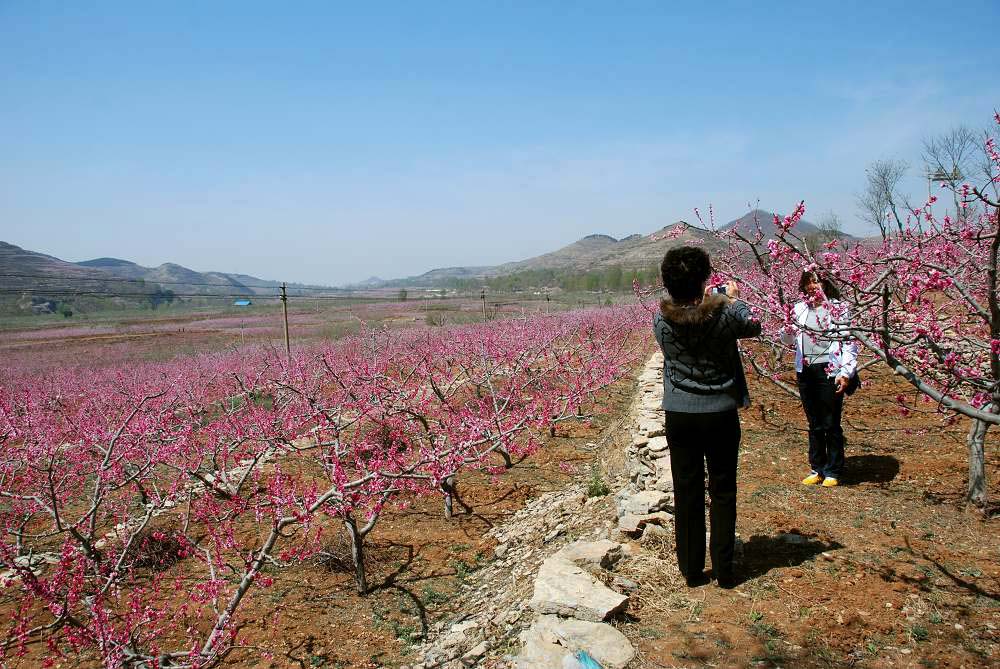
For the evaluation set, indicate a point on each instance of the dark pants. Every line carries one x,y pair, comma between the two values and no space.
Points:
697,438
823,407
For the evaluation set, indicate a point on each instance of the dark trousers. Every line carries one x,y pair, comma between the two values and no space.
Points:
697,438
823,407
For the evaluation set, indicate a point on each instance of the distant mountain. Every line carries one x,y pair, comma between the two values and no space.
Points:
596,251
432,278
181,279
370,282
31,281
765,219
600,251
18,267
30,278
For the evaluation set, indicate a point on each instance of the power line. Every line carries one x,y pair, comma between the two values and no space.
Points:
114,279
56,292
292,290
68,292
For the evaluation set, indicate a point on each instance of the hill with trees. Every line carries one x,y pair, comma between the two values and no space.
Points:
601,262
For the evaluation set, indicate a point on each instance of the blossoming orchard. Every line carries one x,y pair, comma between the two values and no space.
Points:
233,462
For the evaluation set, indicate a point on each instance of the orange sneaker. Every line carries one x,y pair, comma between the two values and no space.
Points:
830,482
812,479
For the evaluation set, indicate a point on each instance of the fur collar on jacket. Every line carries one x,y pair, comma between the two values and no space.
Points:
693,314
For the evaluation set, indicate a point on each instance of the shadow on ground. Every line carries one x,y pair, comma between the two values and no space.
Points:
869,469
763,553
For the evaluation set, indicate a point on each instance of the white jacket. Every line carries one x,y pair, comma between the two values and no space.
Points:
843,355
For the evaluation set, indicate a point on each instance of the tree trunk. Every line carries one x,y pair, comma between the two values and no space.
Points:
448,488
976,441
507,462
357,554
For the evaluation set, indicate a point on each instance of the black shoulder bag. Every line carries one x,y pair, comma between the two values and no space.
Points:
853,384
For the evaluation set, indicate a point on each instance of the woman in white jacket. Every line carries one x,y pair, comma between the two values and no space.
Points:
825,363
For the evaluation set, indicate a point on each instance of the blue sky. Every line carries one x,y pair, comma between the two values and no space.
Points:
327,142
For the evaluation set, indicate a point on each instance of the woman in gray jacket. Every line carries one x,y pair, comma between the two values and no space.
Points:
703,385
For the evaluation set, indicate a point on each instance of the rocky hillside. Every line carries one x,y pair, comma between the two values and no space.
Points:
601,251
598,252
18,267
181,279
765,220
29,279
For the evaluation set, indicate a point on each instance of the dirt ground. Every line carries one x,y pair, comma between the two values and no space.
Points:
888,570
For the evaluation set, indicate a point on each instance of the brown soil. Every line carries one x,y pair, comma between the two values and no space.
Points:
894,570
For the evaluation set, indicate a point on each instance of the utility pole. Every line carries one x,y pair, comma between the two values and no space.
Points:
284,308
482,296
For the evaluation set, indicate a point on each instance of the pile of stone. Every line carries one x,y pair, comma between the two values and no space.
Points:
495,600
573,608
645,505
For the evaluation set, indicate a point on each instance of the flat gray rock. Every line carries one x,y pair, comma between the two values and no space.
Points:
631,523
601,554
626,584
563,588
657,444
652,428
648,501
551,639
793,538
663,484
637,469
651,531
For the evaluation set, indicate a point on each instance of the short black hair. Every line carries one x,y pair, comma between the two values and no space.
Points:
684,270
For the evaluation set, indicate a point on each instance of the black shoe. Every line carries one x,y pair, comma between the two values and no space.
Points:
727,582
696,580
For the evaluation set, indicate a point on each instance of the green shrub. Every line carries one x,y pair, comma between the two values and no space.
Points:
919,633
596,487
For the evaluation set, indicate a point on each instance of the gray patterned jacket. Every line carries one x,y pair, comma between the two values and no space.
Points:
702,370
